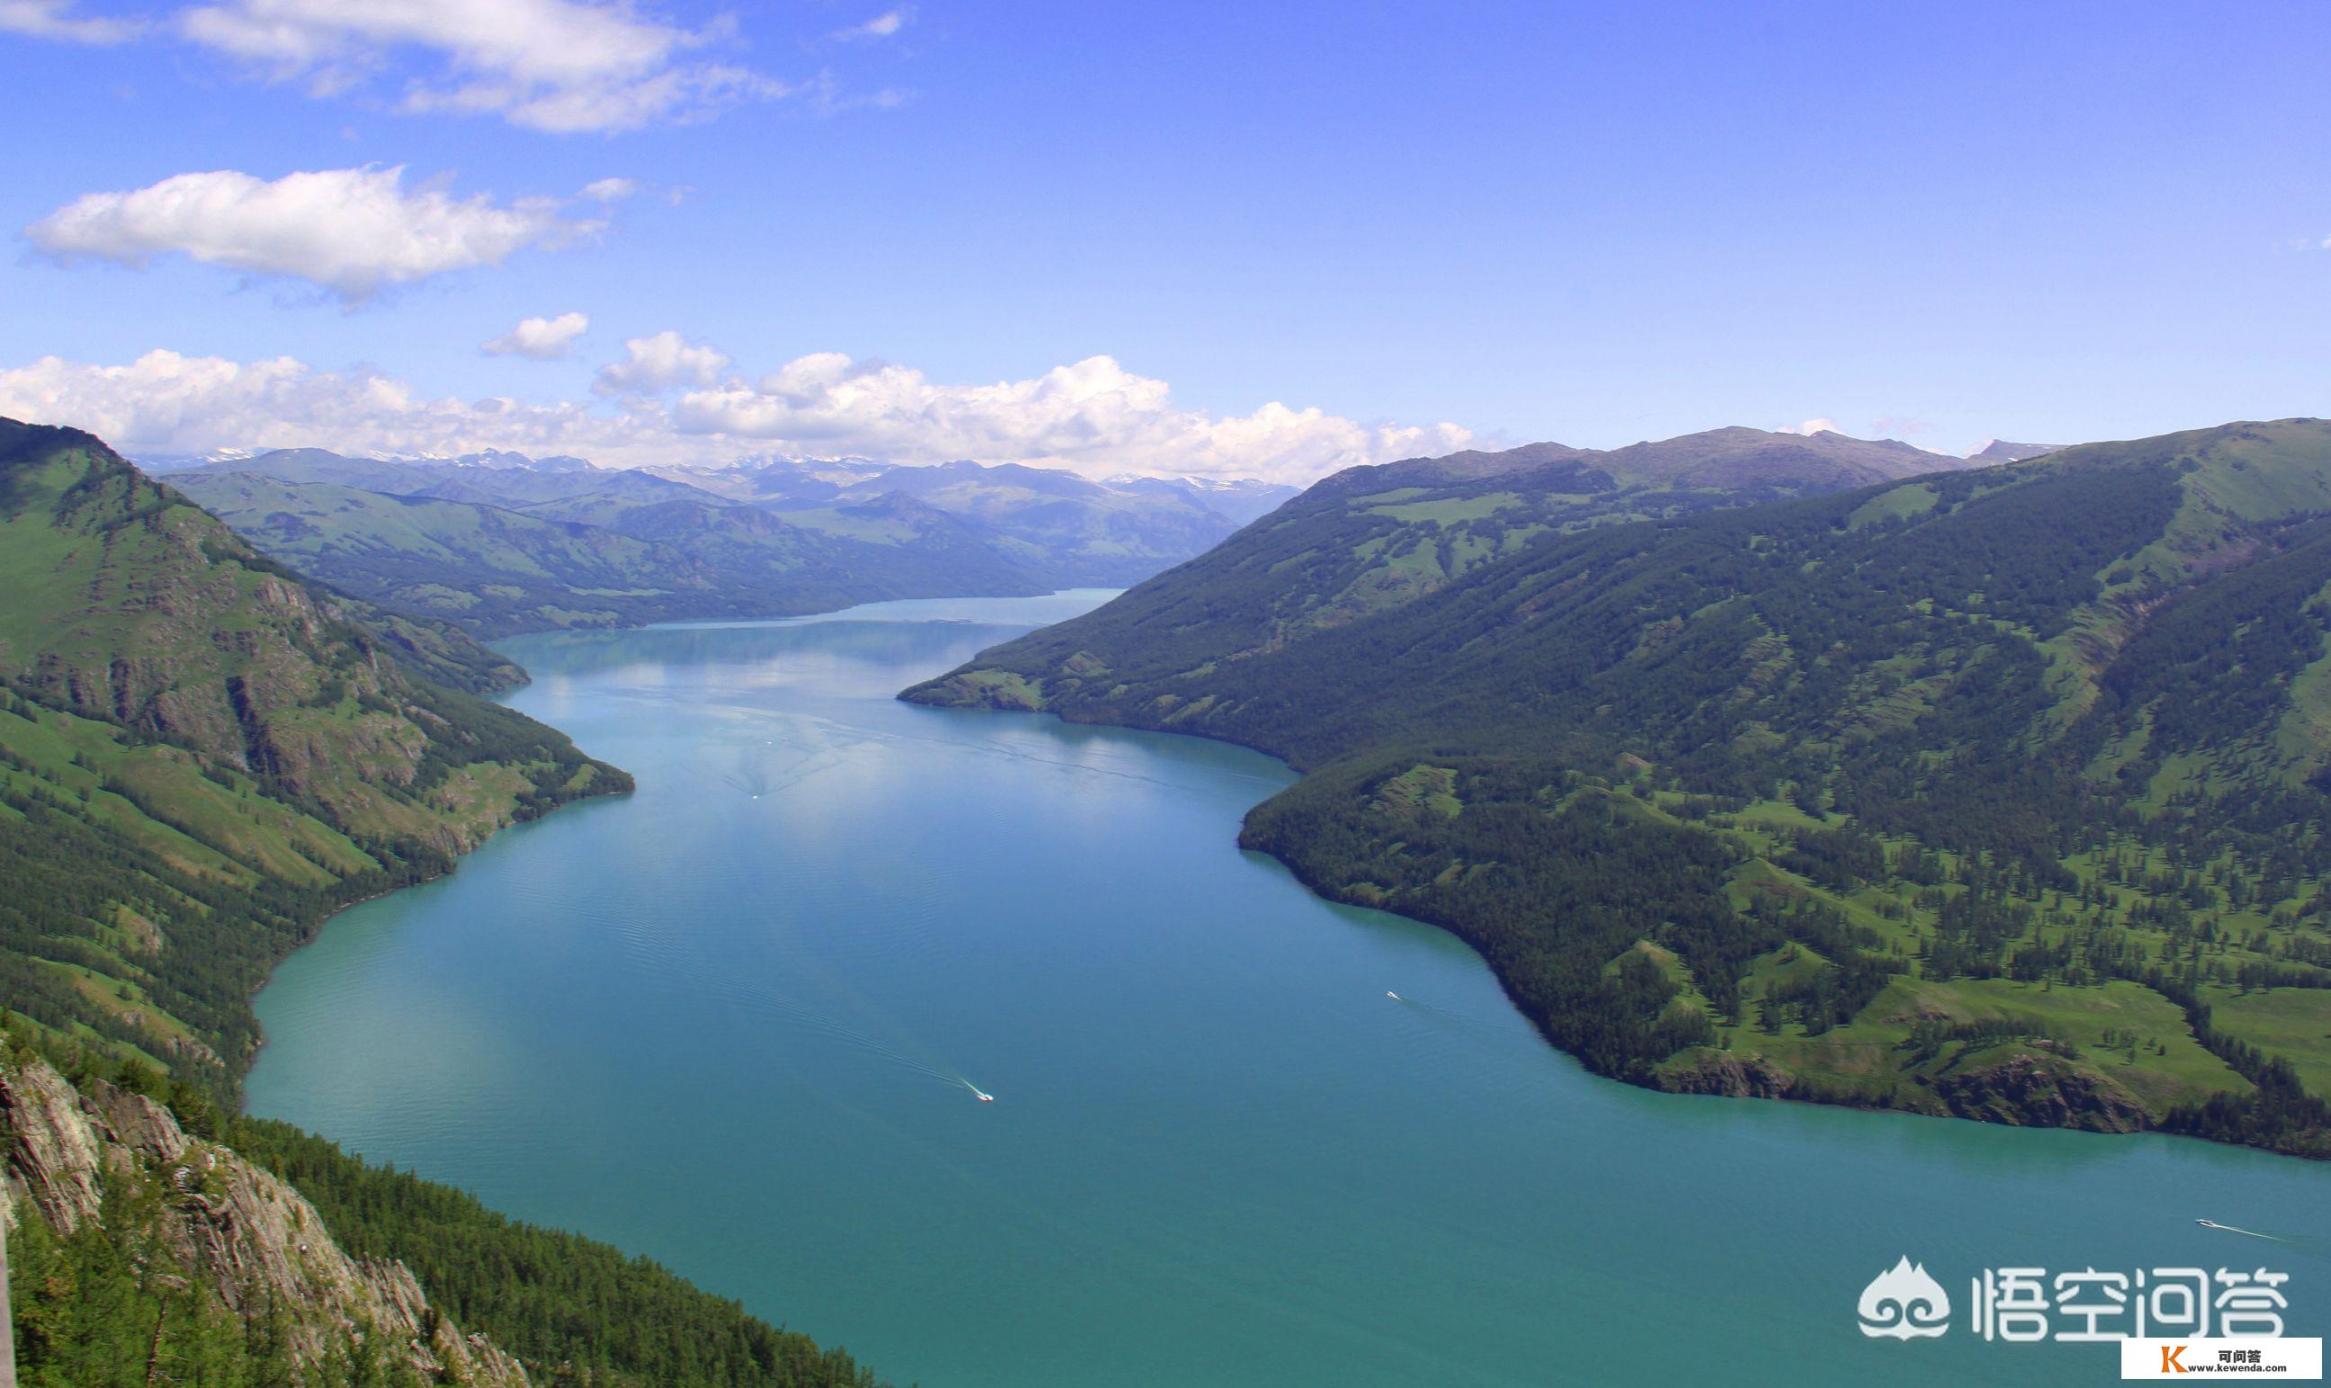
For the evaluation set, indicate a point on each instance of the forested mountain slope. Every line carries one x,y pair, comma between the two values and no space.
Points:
1999,793
201,754
142,1253
1372,538
150,1246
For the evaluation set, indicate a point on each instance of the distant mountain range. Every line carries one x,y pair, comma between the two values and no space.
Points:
2002,792
499,543
203,754
2001,451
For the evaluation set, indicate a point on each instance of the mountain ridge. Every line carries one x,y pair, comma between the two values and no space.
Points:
231,740
504,549
202,755
1379,536
1804,776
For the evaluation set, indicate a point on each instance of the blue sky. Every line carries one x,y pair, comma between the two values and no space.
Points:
1587,223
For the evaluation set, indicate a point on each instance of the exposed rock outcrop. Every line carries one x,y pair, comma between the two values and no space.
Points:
1728,1075
2041,1091
253,1240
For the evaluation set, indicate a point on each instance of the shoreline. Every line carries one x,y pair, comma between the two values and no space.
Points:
452,865
1323,942
493,641
501,697
1791,1089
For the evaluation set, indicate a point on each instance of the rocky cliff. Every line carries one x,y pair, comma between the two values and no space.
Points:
207,1222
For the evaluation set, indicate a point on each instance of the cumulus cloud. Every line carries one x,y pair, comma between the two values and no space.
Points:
55,19
352,231
557,65
610,189
1092,416
544,339
165,402
660,362
1809,426
882,26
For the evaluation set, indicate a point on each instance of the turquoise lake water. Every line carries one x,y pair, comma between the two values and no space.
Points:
732,1022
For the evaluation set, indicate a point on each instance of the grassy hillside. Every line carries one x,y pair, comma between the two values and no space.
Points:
201,754
1375,538
1998,793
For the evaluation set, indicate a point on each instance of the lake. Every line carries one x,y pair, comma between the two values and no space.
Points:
736,1021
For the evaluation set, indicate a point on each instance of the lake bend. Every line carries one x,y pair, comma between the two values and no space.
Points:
739,1022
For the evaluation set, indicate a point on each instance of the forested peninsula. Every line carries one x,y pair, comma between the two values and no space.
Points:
2001,792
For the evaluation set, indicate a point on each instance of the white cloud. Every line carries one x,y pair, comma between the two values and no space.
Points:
557,65
657,363
166,402
54,19
1809,427
544,339
352,231
882,26
610,189
1092,416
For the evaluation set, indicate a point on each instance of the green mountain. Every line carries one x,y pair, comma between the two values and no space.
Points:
495,571
1998,793
583,549
1373,538
503,545
152,1246
201,755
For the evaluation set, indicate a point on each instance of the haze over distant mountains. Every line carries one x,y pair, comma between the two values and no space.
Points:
2001,451
501,543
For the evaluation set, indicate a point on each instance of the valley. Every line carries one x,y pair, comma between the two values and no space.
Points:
508,544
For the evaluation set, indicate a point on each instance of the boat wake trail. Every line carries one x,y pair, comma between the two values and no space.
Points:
814,1006
1438,1015
778,1007
747,782
2230,1229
